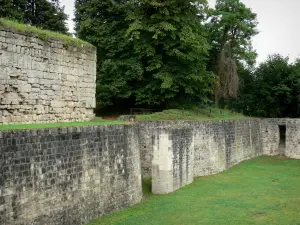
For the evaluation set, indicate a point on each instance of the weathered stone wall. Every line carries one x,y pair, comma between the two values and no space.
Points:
173,157
44,81
68,175
271,137
221,144
72,175
218,145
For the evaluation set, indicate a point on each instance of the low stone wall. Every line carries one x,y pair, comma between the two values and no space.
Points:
68,175
221,144
218,145
44,81
72,175
272,140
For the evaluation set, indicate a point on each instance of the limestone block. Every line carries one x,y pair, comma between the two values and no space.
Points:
10,98
24,87
173,158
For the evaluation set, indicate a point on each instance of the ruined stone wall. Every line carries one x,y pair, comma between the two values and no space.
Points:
218,145
272,144
68,175
72,175
44,81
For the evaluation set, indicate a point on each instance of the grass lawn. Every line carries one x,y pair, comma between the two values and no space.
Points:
195,113
96,121
265,190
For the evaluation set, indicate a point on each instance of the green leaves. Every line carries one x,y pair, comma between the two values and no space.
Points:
149,51
273,90
48,15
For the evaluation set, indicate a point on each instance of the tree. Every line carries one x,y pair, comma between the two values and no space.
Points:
119,69
47,15
231,27
41,13
13,9
171,40
274,90
149,52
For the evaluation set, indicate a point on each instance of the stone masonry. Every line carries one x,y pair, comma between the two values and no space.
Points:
44,81
71,175
173,157
67,176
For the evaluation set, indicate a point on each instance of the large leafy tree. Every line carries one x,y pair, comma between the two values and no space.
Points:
119,69
13,9
41,13
148,51
274,90
171,41
231,27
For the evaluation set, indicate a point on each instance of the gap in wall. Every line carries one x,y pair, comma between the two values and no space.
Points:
282,136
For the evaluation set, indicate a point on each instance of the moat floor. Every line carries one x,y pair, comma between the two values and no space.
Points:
265,190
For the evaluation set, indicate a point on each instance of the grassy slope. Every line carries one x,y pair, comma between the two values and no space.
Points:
264,190
194,113
97,121
44,34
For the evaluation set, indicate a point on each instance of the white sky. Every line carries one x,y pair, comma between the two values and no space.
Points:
279,26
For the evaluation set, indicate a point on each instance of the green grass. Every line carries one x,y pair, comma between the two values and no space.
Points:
96,121
44,34
194,113
265,190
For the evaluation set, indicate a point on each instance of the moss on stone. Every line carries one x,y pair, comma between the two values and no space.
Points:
44,35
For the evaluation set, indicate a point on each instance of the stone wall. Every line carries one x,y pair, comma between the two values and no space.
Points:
72,175
221,144
173,159
218,145
68,175
44,81
271,137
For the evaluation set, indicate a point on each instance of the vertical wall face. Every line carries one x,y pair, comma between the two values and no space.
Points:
67,176
271,136
218,145
173,156
293,138
222,144
210,149
44,81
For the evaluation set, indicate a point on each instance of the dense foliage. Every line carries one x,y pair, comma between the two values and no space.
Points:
272,90
149,51
231,27
45,14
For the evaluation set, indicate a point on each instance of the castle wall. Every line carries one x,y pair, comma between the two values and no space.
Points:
44,81
68,175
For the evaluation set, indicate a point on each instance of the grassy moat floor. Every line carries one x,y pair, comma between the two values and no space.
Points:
265,190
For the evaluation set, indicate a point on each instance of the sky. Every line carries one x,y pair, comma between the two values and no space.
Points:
279,26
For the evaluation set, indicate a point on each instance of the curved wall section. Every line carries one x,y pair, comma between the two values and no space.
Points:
68,176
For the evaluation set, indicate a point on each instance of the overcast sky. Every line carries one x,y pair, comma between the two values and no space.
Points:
279,26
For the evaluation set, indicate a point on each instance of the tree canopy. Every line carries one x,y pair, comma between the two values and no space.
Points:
40,13
231,27
273,89
150,52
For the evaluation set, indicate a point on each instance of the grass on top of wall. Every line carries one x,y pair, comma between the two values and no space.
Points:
264,190
44,34
95,122
192,113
